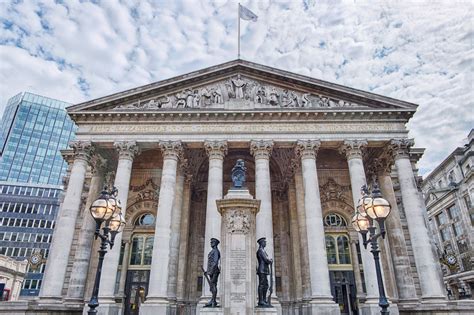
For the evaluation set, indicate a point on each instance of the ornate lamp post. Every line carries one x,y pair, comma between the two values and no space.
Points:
373,207
107,214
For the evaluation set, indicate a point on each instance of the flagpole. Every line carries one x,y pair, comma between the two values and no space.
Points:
238,40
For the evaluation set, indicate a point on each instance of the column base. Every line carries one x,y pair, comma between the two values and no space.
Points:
155,306
374,309
209,310
266,311
47,300
434,300
321,307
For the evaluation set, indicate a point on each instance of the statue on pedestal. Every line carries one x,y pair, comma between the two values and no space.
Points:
264,269
213,271
238,174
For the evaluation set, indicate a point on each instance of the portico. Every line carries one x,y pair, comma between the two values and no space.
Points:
308,145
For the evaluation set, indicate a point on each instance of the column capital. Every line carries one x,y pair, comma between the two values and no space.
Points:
381,165
215,149
353,149
171,149
261,149
307,149
399,148
98,165
127,149
83,150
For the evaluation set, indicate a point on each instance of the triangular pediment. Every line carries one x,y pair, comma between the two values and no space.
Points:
240,85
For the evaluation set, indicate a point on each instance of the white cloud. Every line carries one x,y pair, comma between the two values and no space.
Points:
418,51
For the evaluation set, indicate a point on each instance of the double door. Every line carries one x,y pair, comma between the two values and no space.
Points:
344,291
136,289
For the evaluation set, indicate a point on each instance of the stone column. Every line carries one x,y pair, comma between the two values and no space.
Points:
184,240
157,299
126,153
427,265
77,282
353,151
320,288
355,263
176,232
125,262
216,150
396,238
295,247
262,150
53,280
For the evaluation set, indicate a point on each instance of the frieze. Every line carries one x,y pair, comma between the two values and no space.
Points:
240,127
236,92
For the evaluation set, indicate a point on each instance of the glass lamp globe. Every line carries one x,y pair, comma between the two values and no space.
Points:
360,223
101,209
363,204
117,223
379,209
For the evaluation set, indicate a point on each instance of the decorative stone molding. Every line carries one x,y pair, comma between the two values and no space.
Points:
261,149
147,191
127,149
83,150
353,149
333,191
307,149
215,149
98,165
380,166
183,166
399,148
171,149
238,221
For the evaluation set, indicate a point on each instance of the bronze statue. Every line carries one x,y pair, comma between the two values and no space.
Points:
238,174
263,270
213,271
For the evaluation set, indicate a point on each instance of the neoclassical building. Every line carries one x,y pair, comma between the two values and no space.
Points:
308,146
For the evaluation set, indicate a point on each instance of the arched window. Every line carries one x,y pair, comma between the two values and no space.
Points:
334,220
338,249
146,219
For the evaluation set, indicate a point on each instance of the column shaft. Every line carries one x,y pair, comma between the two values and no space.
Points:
127,151
295,247
125,262
355,263
55,272
183,244
427,264
216,151
158,285
82,257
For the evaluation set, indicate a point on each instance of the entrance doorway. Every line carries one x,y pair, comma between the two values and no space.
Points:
344,291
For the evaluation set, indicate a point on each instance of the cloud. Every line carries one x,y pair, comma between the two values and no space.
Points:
417,51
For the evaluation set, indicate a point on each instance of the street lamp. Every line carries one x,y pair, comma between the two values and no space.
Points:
373,207
106,212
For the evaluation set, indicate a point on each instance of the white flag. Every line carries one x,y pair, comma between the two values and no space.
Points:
246,14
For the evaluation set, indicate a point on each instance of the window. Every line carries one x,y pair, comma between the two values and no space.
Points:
453,212
338,249
458,229
467,201
146,219
441,218
445,235
334,220
142,249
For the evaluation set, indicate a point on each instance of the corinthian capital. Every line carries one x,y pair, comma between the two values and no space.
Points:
380,166
307,148
215,149
83,150
98,164
353,149
261,149
171,149
399,148
127,149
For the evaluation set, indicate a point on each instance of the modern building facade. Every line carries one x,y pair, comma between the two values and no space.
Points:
308,145
448,192
34,129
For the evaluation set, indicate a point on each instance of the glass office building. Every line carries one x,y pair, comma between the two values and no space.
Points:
33,131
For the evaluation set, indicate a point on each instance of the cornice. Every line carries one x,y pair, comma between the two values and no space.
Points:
283,115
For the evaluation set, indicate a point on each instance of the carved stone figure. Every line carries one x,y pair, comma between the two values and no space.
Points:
216,95
181,100
165,102
189,98
205,97
273,97
305,101
239,85
263,270
230,90
260,95
213,271
238,174
289,99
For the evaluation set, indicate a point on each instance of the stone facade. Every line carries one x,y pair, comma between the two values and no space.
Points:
308,146
448,192
12,274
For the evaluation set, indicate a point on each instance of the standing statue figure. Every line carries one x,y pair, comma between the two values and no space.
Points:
263,270
213,271
238,174
239,87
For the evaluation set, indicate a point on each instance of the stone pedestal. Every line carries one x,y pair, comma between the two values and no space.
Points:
238,210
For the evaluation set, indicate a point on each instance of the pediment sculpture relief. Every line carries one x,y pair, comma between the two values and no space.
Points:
237,92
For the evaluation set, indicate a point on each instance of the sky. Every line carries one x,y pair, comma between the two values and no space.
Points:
416,51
